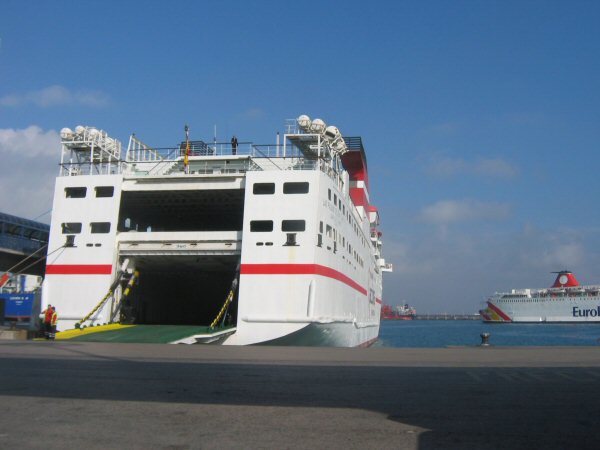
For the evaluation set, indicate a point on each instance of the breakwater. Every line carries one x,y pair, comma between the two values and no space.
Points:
445,316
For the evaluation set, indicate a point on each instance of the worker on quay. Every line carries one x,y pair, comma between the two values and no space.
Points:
53,323
47,323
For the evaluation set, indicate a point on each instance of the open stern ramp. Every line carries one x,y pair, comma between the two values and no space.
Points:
142,334
183,233
185,276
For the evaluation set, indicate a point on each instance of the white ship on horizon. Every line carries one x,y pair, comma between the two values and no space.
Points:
277,244
565,301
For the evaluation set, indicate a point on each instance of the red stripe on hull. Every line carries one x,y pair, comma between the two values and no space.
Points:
300,269
78,269
499,312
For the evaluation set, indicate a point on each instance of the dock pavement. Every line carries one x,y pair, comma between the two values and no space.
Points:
58,395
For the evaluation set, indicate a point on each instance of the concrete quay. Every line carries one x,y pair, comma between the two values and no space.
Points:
57,395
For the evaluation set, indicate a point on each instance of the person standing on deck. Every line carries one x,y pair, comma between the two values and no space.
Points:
234,143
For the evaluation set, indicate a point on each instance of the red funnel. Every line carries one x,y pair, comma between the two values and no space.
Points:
565,279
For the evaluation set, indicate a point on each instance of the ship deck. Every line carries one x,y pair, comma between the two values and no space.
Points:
276,397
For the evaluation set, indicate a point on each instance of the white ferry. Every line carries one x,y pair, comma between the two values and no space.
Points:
565,301
272,244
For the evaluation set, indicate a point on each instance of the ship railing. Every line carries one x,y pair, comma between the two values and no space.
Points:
69,169
291,126
197,148
275,151
167,160
282,157
226,148
139,151
208,167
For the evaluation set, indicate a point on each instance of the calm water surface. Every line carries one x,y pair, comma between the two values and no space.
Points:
443,333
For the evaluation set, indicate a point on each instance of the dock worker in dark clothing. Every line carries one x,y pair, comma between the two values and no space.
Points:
234,143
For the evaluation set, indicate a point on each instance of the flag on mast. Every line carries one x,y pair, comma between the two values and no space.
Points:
187,150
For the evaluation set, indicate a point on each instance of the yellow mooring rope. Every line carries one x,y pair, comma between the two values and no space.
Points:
97,307
223,309
109,294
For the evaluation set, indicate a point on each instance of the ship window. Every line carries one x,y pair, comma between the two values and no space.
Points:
261,226
100,227
105,191
295,188
321,227
71,228
75,192
335,199
329,194
293,225
263,188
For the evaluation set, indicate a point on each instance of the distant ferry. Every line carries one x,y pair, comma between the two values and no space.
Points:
565,301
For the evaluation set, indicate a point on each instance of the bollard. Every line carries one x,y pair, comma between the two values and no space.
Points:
485,337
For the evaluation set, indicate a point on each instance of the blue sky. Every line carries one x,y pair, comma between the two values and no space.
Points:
481,119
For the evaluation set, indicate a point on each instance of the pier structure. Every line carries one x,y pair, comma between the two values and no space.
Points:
20,238
446,316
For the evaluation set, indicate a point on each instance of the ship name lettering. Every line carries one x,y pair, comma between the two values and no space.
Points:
578,312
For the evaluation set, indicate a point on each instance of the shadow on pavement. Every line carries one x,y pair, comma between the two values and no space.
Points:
451,407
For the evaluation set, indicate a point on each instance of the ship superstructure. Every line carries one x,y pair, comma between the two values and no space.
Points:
278,243
565,301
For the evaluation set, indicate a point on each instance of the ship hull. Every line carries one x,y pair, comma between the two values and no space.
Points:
537,310
327,335
284,249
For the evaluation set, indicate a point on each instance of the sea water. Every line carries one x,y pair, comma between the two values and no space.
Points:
444,333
